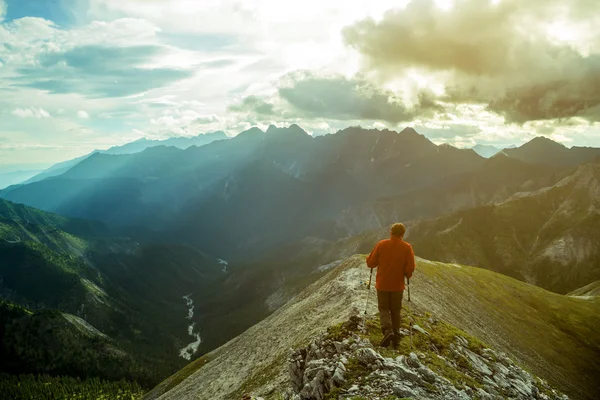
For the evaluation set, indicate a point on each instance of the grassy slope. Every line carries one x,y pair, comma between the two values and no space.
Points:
554,336
20,223
58,344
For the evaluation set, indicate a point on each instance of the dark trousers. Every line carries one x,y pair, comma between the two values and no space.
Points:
390,304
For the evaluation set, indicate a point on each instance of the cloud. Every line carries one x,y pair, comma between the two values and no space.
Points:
575,95
31,113
206,119
500,54
99,71
305,94
82,114
253,104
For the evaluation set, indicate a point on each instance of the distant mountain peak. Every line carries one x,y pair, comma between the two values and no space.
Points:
272,129
409,131
214,134
292,129
486,150
254,131
540,141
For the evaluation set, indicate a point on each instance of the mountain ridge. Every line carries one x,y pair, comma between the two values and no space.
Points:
182,142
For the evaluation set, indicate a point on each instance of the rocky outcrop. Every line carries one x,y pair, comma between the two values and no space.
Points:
352,367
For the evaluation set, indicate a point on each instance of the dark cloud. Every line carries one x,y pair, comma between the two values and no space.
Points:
254,105
497,54
343,99
98,71
307,95
576,95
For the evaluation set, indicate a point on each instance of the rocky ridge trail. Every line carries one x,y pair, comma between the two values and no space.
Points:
526,323
349,366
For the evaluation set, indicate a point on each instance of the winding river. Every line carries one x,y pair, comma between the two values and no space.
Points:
188,351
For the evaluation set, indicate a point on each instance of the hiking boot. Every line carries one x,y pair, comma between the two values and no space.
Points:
387,338
396,341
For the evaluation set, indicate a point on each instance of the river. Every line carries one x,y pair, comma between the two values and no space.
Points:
188,351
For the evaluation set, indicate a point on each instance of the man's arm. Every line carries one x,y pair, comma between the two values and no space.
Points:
409,266
373,259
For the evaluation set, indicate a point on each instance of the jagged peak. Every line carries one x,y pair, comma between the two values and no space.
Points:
484,146
215,133
412,135
457,150
542,141
409,131
291,131
254,131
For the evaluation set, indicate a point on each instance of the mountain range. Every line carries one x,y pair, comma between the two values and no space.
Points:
287,178
128,148
546,237
175,251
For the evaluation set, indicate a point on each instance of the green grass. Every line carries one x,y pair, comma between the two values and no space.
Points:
182,374
553,336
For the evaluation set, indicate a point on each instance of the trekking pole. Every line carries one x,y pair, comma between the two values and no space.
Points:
410,319
368,291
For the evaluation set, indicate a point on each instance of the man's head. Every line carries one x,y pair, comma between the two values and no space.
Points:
398,230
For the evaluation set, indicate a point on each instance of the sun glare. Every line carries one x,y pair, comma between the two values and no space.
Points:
445,5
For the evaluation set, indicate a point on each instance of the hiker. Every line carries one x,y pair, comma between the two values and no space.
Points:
394,260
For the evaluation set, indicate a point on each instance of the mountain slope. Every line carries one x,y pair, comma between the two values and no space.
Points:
553,336
544,151
496,180
545,237
133,293
51,342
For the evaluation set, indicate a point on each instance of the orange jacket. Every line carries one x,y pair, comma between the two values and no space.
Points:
394,259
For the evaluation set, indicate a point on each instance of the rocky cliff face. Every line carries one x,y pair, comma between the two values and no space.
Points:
472,329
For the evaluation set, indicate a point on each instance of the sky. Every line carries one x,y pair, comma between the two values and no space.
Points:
79,75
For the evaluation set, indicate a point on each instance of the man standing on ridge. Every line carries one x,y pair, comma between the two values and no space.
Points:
394,260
